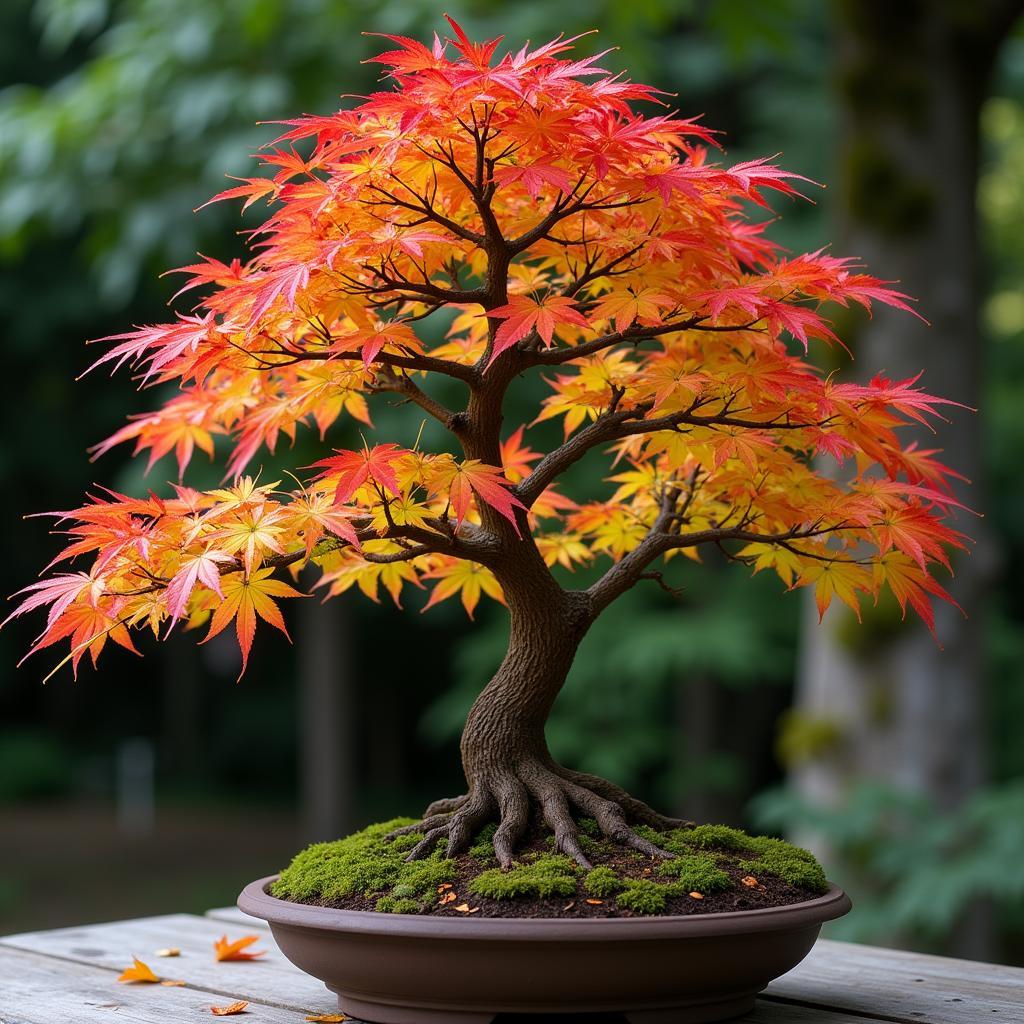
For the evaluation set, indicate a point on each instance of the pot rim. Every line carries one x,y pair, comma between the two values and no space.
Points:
256,901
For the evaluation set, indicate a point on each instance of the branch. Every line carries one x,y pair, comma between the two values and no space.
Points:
615,424
634,335
633,566
404,385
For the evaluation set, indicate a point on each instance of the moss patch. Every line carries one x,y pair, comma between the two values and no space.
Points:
791,864
543,876
643,896
365,864
696,873
367,871
602,882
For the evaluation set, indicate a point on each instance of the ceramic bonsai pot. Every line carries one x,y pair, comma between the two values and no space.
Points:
416,969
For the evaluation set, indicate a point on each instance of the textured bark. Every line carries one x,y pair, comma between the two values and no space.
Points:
911,79
510,774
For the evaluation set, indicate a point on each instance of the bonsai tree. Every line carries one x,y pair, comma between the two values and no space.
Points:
480,221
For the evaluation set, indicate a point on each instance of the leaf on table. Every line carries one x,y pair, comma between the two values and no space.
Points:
138,972
170,951
327,1018
176,983
228,1011
236,950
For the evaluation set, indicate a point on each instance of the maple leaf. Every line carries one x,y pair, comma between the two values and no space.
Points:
353,469
231,1010
247,597
139,971
516,457
236,949
201,568
524,313
488,483
845,580
468,579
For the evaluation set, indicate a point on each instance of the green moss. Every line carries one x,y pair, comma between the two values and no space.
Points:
602,882
643,896
364,863
721,837
392,905
483,846
695,873
547,875
369,865
783,860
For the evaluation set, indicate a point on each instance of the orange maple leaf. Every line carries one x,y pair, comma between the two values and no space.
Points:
237,950
138,972
524,313
245,598
228,1011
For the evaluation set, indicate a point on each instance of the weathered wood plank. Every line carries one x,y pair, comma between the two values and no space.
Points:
38,989
235,917
839,983
271,980
896,985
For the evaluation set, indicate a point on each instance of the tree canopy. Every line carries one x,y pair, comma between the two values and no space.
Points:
563,232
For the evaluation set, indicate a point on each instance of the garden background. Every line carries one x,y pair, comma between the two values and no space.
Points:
161,786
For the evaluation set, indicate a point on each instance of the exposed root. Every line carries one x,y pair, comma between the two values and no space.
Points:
511,796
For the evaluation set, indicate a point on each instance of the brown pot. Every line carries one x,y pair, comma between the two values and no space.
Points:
409,969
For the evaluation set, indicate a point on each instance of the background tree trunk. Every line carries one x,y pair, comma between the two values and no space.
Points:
911,79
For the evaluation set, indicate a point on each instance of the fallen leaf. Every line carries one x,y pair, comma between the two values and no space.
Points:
463,908
173,984
170,951
596,903
568,906
236,950
475,910
697,895
327,1018
228,1011
447,898
138,972
750,881
445,885
647,871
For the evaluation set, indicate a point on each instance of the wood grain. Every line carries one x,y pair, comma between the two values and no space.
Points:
38,989
69,974
894,985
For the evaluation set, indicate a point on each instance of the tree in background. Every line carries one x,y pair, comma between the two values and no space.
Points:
885,704
566,232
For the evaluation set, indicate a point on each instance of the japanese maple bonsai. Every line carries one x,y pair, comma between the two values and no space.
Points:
575,239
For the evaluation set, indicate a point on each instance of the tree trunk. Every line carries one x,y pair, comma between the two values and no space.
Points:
911,78
510,774
505,726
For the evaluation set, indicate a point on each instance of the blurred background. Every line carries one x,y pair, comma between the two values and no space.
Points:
160,785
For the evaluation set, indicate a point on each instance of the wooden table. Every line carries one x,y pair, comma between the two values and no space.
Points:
68,976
